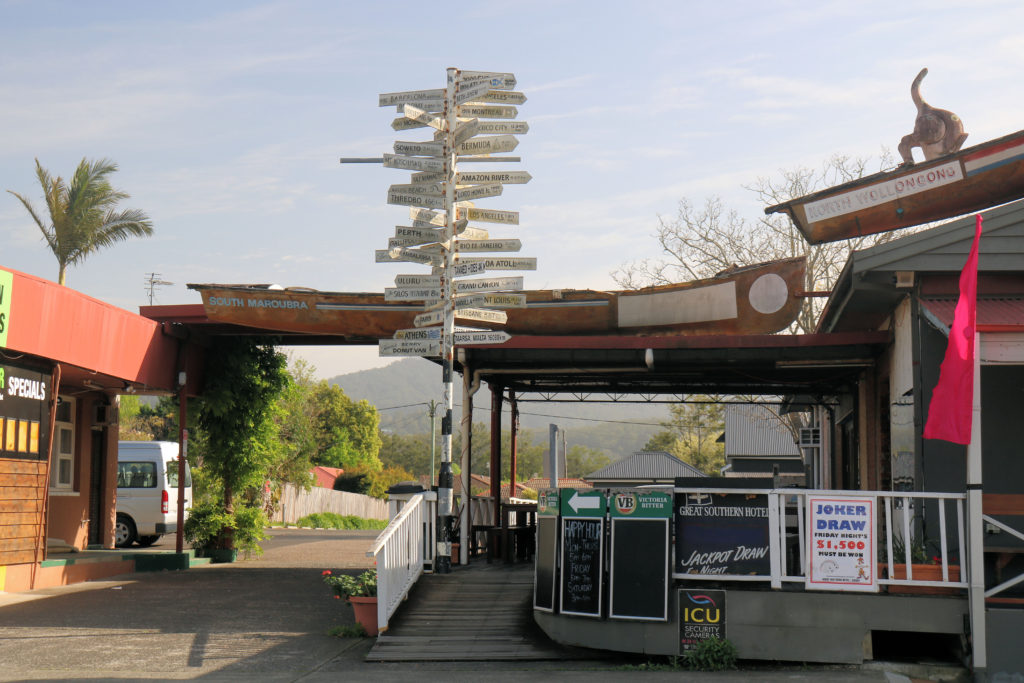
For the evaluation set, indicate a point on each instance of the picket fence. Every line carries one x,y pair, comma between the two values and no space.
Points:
296,503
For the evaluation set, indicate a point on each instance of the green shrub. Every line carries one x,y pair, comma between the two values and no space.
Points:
332,520
712,655
349,631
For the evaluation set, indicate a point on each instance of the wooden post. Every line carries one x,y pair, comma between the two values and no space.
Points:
496,395
513,441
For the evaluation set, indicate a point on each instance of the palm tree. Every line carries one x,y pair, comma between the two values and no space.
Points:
83,218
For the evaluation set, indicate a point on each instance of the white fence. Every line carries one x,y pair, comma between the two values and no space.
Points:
401,551
296,504
900,514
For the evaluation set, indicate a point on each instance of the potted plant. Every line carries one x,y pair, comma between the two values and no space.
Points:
361,593
922,568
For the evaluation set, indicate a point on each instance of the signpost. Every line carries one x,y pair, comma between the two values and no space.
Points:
440,208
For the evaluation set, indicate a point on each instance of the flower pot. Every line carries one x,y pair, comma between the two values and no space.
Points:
922,572
366,613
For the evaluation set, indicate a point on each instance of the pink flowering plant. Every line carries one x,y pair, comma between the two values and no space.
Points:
345,586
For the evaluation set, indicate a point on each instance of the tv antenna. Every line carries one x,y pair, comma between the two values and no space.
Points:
153,281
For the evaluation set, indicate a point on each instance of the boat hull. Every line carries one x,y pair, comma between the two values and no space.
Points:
970,180
753,300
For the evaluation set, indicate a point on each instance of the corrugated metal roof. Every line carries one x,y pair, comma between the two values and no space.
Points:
756,430
646,465
1004,311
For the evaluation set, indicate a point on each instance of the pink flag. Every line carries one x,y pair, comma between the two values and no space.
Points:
949,413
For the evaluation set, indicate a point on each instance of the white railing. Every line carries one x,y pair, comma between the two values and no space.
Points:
401,551
1011,582
788,536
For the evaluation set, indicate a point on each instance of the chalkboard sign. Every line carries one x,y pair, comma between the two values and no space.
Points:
582,551
639,569
544,572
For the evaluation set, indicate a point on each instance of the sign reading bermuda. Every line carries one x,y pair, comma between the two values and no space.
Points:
842,538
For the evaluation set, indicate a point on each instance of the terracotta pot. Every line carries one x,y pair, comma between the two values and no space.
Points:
922,572
366,613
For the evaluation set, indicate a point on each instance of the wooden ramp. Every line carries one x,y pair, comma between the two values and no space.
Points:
476,613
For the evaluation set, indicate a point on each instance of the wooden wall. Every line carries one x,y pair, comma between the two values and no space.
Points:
22,487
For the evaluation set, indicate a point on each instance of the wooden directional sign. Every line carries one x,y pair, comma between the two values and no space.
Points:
411,293
428,319
489,337
463,269
394,98
430,217
417,280
488,144
470,233
416,114
467,92
485,111
422,149
396,242
497,81
403,347
495,284
491,300
402,123
407,199
491,216
503,127
479,191
417,188
483,315
502,97
422,334
502,262
489,245
413,163
503,177
424,235
466,131
427,177
413,256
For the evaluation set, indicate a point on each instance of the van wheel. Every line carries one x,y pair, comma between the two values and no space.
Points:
124,531
146,541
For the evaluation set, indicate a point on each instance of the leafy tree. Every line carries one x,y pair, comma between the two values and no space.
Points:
691,434
409,452
581,461
347,431
142,422
83,215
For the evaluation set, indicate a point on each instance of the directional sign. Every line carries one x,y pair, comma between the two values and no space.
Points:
479,191
407,199
422,334
490,216
483,315
418,280
484,111
417,114
495,337
497,81
392,98
495,284
428,319
429,217
423,149
473,233
403,347
466,131
411,293
503,127
582,503
502,97
427,178
396,242
491,301
502,262
463,269
503,177
489,144
402,123
413,163
467,92
423,235
414,256
489,245
417,188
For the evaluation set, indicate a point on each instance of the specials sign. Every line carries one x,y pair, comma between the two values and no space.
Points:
24,412
842,540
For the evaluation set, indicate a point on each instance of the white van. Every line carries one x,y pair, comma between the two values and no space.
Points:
147,491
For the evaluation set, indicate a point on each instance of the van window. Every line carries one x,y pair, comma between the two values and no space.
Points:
172,475
136,475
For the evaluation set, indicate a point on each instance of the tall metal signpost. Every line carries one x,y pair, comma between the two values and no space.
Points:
473,122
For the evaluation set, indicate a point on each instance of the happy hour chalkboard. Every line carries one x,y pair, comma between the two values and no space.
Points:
639,569
582,546
544,577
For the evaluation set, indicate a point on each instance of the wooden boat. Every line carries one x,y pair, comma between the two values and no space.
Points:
972,179
752,300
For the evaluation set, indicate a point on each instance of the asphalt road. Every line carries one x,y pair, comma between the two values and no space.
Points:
262,619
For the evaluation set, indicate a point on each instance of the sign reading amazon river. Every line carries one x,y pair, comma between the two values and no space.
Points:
721,534
842,540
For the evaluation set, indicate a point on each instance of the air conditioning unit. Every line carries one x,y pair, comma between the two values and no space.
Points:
904,279
810,436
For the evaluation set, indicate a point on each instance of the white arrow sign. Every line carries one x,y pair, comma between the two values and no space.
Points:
489,144
467,92
427,178
413,163
418,280
424,334
478,191
417,114
488,245
428,319
402,123
403,347
491,300
503,127
497,80
466,131
496,284
409,256
496,337
406,199
393,98
429,217
424,235
578,502
463,269
482,315
485,111
503,262
422,149
490,216
417,188
411,293
503,177
502,97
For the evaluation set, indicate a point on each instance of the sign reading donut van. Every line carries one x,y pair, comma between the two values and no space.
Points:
842,543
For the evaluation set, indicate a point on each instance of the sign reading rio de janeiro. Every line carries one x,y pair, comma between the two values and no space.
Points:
842,543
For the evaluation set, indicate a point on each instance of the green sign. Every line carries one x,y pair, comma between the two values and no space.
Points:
582,503
6,288
641,504
547,502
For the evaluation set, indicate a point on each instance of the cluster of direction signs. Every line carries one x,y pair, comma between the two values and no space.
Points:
473,122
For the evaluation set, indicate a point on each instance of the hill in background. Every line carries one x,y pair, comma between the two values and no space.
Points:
402,391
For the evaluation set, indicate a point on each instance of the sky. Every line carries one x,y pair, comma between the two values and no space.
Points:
227,121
